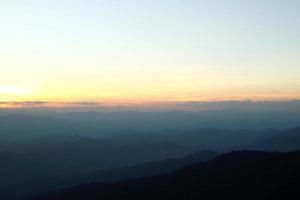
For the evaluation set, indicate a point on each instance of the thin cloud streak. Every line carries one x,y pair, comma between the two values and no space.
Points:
292,105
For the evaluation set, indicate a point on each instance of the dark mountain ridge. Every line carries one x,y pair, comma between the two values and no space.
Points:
236,175
136,171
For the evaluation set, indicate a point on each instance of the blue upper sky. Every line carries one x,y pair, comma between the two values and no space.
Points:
149,49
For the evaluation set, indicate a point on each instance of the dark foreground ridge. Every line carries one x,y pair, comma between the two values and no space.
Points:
55,184
236,175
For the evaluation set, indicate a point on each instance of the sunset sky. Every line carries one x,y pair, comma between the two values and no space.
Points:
149,50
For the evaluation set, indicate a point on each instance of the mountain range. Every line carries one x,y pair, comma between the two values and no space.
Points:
235,175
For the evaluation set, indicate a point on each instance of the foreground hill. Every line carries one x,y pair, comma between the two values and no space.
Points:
236,175
136,171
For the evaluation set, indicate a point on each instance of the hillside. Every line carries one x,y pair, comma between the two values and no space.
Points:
236,175
37,186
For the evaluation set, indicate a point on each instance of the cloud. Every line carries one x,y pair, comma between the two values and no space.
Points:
17,104
242,105
82,103
188,105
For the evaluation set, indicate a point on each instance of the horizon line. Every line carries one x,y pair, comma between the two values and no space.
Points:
62,104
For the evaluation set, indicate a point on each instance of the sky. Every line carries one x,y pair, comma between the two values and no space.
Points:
149,50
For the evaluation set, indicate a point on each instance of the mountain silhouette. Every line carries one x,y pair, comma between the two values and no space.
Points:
235,175
136,171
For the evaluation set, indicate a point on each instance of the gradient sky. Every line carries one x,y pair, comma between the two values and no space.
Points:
149,50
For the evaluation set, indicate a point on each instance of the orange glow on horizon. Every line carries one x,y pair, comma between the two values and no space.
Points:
133,103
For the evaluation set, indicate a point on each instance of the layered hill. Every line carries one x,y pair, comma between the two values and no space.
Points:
236,175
